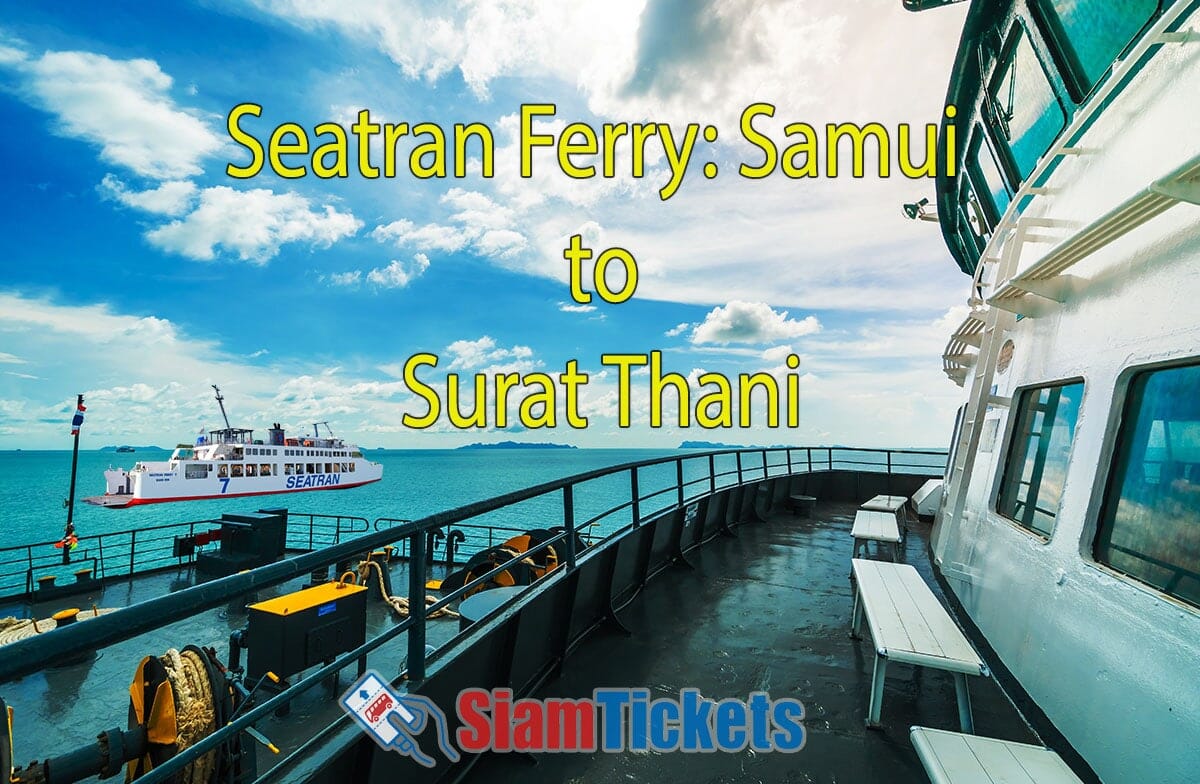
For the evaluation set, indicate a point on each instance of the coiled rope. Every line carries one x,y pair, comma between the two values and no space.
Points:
13,629
195,715
398,603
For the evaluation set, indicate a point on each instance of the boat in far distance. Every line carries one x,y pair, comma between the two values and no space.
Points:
125,449
230,462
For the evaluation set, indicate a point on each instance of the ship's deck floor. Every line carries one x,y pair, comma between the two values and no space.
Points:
766,611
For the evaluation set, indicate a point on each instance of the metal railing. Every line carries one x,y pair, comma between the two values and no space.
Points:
141,550
692,477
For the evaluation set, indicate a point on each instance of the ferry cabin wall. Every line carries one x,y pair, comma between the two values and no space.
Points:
1084,639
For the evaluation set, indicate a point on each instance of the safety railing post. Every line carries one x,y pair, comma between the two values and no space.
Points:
764,457
635,494
788,452
808,457
739,466
568,524
132,549
679,481
312,524
416,607
712,474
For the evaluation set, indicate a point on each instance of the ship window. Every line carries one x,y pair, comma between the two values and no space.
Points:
1091,34
287,469
222,471
983,162
1031,488
1150,523
236,470
329,468
264,469
1023,107
251,469
299,468
309,468
195,471
352,468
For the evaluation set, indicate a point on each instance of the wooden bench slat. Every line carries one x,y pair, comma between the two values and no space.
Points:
906,618
885,503
955,758
875,525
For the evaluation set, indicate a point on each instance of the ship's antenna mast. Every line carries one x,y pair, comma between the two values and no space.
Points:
317,431
221,403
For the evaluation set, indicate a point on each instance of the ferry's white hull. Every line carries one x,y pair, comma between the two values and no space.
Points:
155,483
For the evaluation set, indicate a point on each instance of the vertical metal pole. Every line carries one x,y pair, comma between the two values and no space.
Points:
808,457
636,494
679,480
764,457
739,465
788,452
132,549
66,554
416,608
712,474
569,524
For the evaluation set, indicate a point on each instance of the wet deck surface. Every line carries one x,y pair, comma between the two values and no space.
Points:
62,708
767,611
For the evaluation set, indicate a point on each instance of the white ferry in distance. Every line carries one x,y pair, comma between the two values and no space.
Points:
229,463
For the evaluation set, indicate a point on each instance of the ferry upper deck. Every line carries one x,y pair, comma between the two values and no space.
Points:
716,581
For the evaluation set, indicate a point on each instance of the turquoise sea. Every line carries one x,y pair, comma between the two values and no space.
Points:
416,483
34,484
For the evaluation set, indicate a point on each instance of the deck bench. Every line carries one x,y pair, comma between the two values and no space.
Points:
954,758
908,625
896,504
873,526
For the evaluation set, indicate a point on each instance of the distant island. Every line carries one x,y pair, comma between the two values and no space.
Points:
719,445
516,445
126,448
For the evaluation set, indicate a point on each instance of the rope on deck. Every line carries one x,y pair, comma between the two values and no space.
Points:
13,629
195,714
398,603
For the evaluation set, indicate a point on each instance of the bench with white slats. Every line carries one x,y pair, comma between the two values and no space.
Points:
909,625
954,758
872,526
896,504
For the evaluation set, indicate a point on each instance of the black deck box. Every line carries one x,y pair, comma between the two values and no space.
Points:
299,630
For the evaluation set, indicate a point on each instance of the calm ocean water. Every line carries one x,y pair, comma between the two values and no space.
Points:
34,484
416,483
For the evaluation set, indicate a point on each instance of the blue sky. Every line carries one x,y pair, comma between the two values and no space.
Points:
138,273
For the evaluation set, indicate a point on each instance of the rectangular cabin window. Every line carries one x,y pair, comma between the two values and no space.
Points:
309,468
1150,522
329,468
1031,488
251,469
196,470
299,468
1024,109
222,471
1091,34
351,467
264,469
236,470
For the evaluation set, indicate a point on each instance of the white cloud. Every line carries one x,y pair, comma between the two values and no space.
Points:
22,375
678,329
567,307
173,197
430,237
399,274
253,224
10,359
751,322
124,107
476,353
351,278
